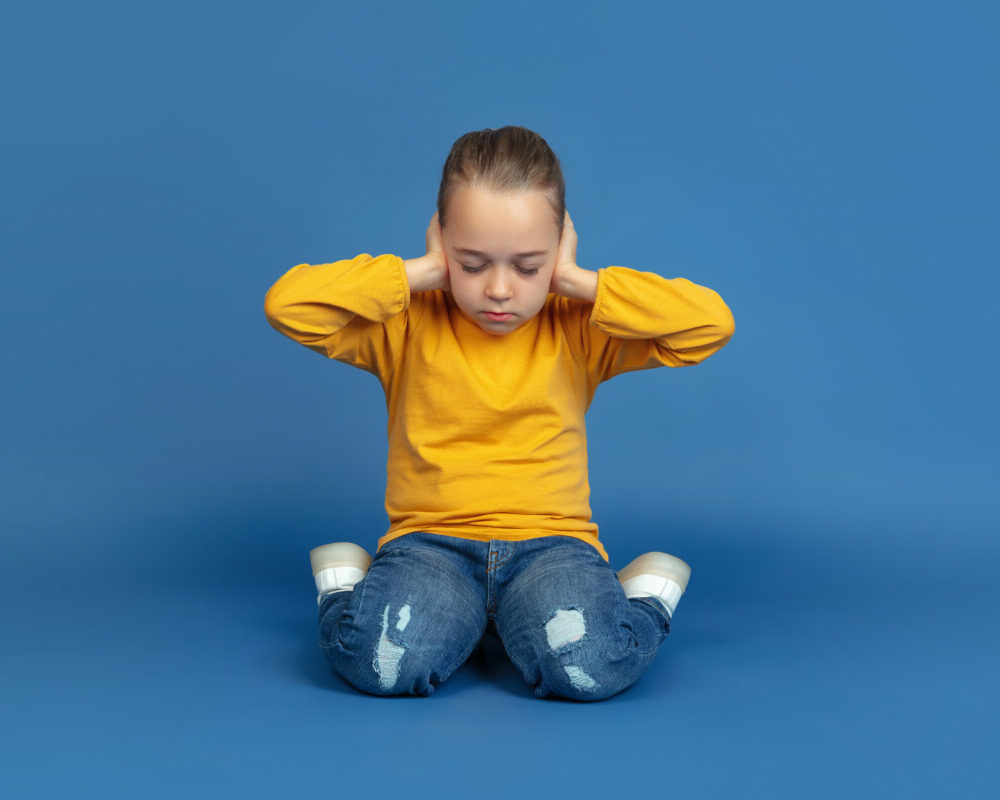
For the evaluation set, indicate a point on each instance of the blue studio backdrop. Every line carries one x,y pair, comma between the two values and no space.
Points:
168,459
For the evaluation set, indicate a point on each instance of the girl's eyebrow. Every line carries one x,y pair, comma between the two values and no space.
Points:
469,252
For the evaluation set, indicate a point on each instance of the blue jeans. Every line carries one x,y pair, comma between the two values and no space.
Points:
553,602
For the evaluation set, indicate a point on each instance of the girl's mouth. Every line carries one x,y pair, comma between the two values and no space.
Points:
497,317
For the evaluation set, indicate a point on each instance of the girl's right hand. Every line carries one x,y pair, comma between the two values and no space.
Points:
430,271
437,261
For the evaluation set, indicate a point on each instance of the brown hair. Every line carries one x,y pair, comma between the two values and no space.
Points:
509,159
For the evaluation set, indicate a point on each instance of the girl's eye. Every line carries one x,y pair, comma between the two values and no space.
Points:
522,270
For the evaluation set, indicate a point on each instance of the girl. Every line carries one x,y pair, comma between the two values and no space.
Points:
489,349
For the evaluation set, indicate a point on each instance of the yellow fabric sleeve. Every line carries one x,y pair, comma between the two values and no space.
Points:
351,310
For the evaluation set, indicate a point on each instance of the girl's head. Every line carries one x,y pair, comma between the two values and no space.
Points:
501,207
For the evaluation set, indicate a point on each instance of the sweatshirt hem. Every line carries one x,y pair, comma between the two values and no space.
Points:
487,535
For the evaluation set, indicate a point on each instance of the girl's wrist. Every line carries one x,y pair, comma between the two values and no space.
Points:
578,283
420,273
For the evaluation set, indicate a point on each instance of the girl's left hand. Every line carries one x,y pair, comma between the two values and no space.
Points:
566,254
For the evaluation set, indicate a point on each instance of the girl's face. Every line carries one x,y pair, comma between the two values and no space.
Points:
501,251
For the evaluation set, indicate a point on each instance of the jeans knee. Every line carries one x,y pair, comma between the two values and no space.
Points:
579,664
382,660
578,682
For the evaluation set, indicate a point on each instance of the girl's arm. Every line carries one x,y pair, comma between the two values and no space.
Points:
354,310
640,320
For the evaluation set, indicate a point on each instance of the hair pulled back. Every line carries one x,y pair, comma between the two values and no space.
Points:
508,159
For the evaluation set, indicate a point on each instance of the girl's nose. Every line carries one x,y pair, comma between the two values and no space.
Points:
498,287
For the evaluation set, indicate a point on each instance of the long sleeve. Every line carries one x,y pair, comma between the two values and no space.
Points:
350,310
642,320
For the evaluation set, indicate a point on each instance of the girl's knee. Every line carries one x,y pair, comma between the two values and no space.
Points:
584,679
385,669
368,678
385,659
581,658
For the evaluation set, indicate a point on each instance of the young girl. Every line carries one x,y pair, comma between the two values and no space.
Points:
489,349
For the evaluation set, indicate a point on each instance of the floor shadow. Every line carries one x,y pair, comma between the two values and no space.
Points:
256,557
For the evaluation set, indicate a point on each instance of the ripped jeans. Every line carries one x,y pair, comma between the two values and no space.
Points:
553,602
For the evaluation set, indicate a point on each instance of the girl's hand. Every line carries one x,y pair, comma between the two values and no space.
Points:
431,270
435,254
565,256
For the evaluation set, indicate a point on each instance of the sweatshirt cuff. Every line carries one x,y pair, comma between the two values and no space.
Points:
406,284
598,307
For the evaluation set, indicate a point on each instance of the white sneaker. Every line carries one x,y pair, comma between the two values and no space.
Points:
658,575
337,567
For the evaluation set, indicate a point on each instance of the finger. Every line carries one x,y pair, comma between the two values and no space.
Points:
433,232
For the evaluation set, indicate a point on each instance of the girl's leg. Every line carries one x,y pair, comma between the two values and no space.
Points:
569,629
409,624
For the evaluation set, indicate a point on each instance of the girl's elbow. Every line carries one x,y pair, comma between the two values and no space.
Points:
725,325
272,305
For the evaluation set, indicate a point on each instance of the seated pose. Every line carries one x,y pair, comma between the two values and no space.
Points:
489,349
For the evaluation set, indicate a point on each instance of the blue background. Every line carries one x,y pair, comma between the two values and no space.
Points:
169,459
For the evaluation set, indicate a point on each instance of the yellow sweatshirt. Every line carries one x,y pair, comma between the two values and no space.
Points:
486,433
